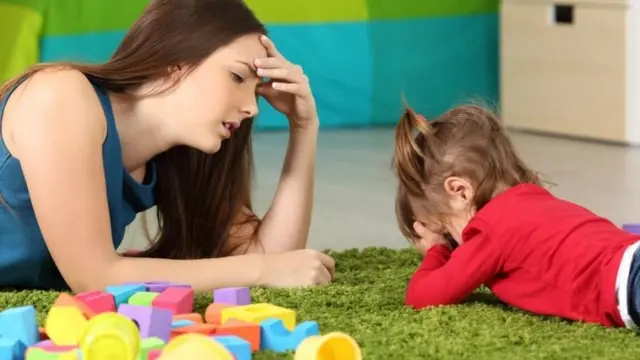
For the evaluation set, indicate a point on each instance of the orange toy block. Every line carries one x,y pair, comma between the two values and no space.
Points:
65,299
98,301
213,314
43,333
242,329
178,300
205,329
195,317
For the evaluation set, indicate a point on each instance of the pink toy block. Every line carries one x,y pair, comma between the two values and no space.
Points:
178,300
98,301
232,296
49,346
153,322
154,354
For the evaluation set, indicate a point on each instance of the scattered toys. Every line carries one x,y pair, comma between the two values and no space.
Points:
155,321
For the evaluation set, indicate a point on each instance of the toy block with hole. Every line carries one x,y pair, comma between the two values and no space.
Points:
147,345
65,325
98,301
20,323
332,346
257,313
204,329
193,317
65,299
243,329
213,313
177,300
122,293
152,322
232,296
275,337
238,347
142,298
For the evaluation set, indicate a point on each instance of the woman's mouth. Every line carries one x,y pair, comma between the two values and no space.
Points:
231,127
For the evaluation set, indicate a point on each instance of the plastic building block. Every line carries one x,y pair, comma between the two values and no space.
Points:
11,348
65,299
152,322
196,346
112,336
43,333
161,286
122,293
256,313
181,323
178,300
276,337
243,329
204,329
20,323
147,345
99,302
193,317
143,298
238,347
65,325
154,354
232,296
632,228
49,346
70,355
213,313
40,354
332,346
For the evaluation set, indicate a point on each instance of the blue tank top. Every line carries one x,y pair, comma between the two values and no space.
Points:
25,261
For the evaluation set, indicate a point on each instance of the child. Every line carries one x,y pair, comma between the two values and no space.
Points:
460,177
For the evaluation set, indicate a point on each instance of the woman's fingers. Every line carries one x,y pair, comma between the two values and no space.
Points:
270,46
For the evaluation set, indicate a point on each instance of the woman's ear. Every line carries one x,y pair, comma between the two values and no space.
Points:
459,190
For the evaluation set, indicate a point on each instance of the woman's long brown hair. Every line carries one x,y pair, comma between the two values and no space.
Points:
198,195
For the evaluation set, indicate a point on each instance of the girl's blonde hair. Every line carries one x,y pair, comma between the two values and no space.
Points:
467,141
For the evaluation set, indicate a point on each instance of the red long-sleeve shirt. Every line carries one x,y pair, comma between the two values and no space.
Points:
535,252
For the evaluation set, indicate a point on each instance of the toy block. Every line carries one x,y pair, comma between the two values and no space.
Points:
334,345
632,228
193,317
65,324
181,323
98,301
20,323
11,348
275,337
147,345
65,299
122,293
143,298
161,286
238,347
40,354
256,313
152,322
233,296
50,346
154,354
112,336
243,329
204,329
196,346
42,333
213,314
178,300
70,355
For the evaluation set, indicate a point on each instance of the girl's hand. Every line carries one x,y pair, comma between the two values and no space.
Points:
288,89
427,238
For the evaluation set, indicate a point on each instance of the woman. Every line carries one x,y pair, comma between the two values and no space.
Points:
166,122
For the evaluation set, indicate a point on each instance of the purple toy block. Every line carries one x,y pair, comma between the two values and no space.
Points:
232,296
632,228
153,322
160,286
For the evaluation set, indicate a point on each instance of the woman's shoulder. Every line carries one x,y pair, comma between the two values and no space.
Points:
54,101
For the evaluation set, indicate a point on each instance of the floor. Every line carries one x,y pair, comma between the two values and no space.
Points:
355,188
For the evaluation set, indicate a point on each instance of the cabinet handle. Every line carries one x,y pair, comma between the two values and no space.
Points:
563,14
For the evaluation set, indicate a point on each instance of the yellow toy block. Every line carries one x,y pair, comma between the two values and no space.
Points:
332,346
65,325
69,355
256,313
110,336
194,346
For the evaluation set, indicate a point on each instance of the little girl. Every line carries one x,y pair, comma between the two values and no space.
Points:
461,179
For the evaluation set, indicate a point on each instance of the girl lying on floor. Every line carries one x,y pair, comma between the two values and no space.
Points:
460,178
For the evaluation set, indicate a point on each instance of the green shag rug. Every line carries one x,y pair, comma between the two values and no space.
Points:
366,301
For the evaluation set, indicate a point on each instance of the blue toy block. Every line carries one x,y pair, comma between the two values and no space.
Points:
11,348
20,323
239,347
276,337
181,323
122,293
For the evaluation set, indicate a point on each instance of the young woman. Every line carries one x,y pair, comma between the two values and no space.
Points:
165,122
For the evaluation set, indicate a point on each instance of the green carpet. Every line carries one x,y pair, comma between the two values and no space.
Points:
366,302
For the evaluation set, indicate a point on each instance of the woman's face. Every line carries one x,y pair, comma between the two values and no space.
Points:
211,102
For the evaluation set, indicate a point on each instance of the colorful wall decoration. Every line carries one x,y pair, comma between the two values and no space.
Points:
362,56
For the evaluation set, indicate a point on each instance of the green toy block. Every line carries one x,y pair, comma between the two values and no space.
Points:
149,344
143,298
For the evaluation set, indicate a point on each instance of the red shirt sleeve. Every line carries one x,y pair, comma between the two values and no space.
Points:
446,277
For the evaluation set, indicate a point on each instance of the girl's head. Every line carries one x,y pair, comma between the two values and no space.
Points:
452,166
187,65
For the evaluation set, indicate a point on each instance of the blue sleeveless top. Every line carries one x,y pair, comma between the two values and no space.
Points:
25,261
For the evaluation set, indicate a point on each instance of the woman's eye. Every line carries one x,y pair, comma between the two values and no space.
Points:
237,78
